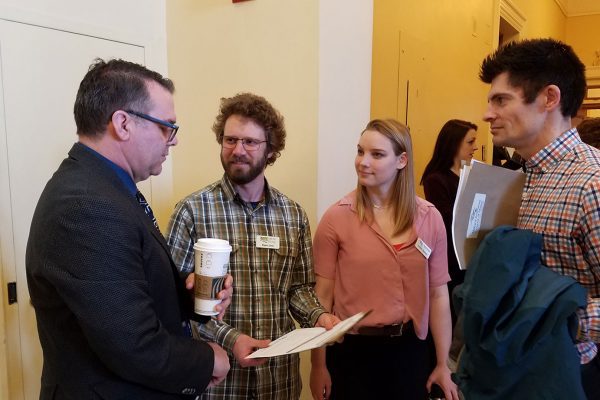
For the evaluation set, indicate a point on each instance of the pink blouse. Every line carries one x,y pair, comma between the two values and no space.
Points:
370,274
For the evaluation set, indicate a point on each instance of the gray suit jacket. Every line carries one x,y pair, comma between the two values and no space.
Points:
108,302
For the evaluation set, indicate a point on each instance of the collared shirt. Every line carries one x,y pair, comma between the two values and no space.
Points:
270,284
121,173
561,201
369,273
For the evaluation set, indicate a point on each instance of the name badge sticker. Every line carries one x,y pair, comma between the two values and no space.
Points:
423,248
267,242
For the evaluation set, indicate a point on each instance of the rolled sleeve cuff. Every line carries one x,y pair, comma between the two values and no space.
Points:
226,336
314,316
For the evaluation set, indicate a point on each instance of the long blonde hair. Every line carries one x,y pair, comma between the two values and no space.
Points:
403,195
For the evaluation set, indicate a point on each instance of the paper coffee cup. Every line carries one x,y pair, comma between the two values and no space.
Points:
210,269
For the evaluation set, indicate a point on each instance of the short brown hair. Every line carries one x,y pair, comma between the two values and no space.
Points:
259,110
109,86
533,64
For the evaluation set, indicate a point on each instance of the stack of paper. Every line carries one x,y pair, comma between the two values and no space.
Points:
307,338
487,197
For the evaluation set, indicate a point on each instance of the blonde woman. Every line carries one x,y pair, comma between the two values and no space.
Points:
382,248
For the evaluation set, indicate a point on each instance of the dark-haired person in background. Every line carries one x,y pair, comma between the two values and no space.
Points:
589,131
112,313
455,145
537,86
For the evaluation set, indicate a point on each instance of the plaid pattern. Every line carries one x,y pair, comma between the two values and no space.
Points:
269,284
561,200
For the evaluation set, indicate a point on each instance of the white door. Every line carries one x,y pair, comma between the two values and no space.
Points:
40,71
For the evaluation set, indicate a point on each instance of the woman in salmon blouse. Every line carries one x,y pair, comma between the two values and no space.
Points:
382,248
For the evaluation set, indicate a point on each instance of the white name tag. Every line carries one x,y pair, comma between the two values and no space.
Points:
423,248
267,242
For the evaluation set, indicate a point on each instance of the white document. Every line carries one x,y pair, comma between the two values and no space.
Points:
307,338
487,197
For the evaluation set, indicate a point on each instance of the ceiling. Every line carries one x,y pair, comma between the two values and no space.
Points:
574,8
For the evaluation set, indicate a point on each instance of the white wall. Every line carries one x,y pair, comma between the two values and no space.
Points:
129,21
345,37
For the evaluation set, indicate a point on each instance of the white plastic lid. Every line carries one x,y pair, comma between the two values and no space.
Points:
211,244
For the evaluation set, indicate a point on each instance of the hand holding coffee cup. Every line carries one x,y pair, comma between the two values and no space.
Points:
226,293
210,272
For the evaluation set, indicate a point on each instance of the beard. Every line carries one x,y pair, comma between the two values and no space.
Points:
241,177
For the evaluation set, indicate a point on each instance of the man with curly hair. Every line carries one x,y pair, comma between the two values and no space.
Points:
271,258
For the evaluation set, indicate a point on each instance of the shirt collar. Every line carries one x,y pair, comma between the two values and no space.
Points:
349,200
231,194
124,177
554,151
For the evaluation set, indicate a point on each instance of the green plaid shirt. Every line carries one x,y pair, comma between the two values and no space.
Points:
270,285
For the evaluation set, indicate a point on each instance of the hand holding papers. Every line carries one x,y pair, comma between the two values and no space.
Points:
307,338
487,196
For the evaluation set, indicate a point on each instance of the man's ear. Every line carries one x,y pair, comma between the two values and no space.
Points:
552,95
121,125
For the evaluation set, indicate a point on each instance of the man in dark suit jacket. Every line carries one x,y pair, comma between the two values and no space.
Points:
112,313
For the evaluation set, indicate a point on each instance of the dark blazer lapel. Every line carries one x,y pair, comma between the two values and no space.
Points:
185,300
99,167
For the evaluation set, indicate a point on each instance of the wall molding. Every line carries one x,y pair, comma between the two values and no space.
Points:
592,74
563,7
514,16
567,8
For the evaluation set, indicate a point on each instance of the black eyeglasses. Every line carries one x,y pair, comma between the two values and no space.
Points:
229,142
174,128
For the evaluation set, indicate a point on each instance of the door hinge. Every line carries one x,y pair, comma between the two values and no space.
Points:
12,292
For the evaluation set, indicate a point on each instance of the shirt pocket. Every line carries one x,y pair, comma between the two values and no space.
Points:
281,265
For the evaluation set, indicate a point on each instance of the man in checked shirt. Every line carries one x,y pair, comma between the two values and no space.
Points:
536,87
271,260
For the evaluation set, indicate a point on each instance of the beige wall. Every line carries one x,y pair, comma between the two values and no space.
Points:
439,48
583,33
544,19
269,47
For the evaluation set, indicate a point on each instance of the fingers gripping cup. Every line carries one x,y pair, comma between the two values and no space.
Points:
210,270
